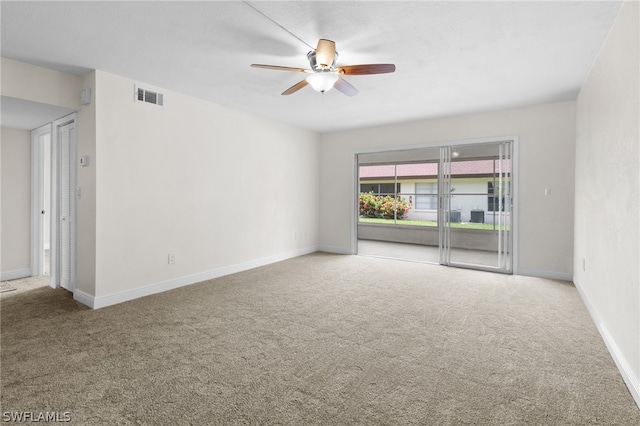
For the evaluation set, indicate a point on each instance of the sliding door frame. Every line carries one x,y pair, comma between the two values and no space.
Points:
441,144
505,241
444,206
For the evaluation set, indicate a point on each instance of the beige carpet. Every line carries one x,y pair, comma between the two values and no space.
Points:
320,339
6,286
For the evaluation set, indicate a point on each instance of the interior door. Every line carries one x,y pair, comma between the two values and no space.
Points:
40,198
66,206
476,206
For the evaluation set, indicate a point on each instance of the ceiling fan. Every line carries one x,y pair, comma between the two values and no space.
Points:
324,75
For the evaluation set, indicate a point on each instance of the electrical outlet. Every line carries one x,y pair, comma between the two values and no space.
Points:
172,258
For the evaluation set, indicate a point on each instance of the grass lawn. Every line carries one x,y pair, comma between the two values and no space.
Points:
431,223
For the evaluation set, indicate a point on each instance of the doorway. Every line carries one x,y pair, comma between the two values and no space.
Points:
451,205
54,202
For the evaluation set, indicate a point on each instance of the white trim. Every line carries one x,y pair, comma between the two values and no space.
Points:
632,382
127,295
84,298
355,205
54,216
15,274
540,273
334,250
515,207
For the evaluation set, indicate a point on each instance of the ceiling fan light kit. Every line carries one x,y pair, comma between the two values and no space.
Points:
324,75
322,81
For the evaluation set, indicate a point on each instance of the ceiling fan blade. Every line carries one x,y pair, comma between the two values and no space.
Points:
366,69
279,68
345,87
299,85
325,53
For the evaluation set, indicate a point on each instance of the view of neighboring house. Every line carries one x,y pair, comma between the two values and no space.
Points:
474,185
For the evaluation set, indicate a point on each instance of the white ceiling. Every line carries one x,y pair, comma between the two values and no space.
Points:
451,57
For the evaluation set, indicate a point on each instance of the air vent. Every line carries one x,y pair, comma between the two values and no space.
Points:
149,96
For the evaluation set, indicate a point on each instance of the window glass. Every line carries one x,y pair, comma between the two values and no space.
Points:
424,201
379,188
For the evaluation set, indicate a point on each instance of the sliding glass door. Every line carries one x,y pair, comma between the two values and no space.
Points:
449,205
476,205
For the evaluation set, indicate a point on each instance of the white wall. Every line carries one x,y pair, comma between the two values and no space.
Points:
546,149
37,84
167,179
15,152
607,199
86,205
222,189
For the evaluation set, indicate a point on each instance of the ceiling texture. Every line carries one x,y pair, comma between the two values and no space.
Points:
451,57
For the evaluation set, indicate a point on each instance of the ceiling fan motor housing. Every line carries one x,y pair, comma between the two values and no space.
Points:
318,67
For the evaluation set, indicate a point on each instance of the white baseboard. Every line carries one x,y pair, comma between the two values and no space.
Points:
539,273
127,295
84,298
15,274
632,382
332,249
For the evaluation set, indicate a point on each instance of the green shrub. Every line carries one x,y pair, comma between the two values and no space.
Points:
382,206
